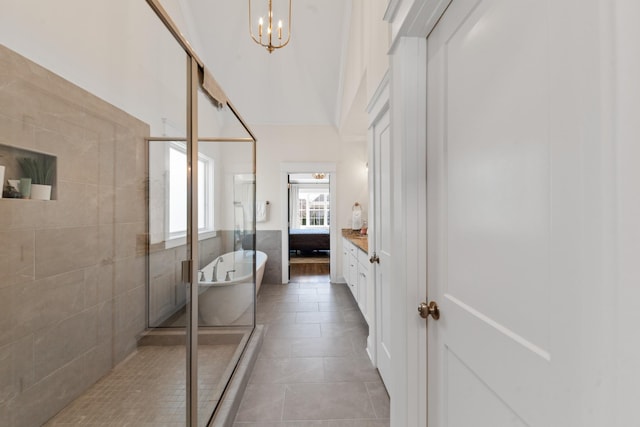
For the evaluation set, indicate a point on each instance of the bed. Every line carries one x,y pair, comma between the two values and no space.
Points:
309,239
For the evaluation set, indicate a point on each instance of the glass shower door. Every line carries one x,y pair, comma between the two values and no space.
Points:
212,174
225,264
202,281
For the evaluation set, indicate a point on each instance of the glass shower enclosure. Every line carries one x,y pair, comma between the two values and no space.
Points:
128,297
202,289
203,264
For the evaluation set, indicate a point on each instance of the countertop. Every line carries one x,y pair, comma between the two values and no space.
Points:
354,236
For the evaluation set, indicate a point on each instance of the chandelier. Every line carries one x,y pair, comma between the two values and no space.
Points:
267,40
319,175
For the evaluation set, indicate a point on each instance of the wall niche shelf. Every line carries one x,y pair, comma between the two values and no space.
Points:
11,158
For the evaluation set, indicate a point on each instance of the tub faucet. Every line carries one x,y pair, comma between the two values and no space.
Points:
214,276
227,277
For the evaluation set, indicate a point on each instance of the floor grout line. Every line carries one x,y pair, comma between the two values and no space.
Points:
337,354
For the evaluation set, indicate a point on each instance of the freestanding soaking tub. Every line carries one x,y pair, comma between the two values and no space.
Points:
226,298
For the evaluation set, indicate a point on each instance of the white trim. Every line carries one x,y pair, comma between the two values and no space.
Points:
624,293
392,10
308,167
344,48
421,19
379,102
377,107
181,241
408,80
408,130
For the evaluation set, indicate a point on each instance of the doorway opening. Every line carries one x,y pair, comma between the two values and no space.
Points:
289,171
309,220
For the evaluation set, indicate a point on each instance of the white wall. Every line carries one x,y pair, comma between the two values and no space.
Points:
365,65
277,144
117,50
377,39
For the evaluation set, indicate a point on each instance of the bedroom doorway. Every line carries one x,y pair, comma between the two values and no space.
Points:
309,219
288,169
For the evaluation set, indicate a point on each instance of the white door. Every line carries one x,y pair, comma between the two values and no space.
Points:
500,173
383,242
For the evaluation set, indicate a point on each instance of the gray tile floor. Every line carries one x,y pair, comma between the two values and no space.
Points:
148,389
312,370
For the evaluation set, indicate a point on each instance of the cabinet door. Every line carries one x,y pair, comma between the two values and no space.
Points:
345,260
353,275
381,273
362,290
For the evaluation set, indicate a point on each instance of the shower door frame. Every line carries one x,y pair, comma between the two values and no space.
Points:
189,268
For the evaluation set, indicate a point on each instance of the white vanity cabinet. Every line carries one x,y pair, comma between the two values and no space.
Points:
350,265
345,260
355,271
363,284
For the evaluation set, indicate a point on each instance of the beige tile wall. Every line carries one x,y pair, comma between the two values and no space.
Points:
72,270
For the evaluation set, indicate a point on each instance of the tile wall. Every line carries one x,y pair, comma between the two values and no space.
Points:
270,242
72,270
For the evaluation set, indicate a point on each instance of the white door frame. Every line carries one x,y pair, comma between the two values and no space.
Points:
287,168
411,22
408,130
408,123
378,344
378,106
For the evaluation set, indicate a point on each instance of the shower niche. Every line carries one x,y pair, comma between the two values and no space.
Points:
26,174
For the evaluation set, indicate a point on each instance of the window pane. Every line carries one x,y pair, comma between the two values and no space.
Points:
314,207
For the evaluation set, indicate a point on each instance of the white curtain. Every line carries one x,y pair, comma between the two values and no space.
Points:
294,213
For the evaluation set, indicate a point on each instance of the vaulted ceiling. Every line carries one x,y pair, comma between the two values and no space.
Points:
299,84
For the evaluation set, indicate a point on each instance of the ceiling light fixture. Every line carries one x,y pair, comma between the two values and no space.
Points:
269,28
319,175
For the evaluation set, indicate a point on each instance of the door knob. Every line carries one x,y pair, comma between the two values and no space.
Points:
425,310
374,258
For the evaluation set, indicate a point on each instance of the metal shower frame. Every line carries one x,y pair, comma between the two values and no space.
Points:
198,76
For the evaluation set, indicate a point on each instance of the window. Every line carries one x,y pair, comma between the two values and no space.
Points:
177,192
313,206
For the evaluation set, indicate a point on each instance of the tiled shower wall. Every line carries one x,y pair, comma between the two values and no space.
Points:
72,270
270,242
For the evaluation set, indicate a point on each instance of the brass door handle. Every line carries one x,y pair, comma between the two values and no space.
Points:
425,310
374,258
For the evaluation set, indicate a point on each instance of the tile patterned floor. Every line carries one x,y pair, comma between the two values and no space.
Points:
312,370
148,389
